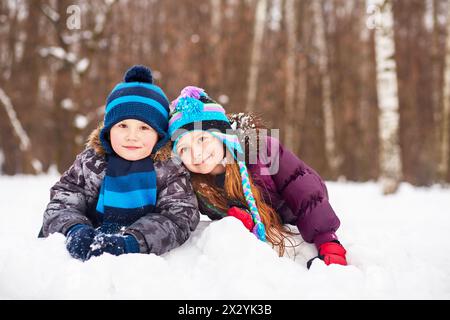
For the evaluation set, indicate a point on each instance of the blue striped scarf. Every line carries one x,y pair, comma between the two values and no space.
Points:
127,193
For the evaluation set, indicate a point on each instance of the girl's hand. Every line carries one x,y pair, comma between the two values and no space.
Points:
242,215
331,253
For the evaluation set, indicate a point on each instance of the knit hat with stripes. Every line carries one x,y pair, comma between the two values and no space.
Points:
194,110
137,98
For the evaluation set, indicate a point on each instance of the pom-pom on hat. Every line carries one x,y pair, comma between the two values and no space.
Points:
137,98
194,110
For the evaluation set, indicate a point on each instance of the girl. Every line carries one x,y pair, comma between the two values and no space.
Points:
278,188
122,194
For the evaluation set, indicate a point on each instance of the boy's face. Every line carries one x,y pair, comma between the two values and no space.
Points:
133,139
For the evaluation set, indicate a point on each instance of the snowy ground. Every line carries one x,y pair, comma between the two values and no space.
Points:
397,246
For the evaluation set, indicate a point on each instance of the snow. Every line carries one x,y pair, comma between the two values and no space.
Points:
275,16
82,65
51,13
157,75
67,104
45,88
428,16
57,52
37,165
245,121
195,38
223,99
81,121
397,249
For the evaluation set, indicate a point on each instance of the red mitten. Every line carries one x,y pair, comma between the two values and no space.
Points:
242,215
332,253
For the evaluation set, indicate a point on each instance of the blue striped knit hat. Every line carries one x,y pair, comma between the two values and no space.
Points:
137,98
194,110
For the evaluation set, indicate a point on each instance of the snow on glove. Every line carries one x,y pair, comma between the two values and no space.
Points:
79,239
331,253
113,244
242,215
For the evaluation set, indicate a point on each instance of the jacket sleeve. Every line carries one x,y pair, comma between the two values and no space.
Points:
304,192
72,194
208,209
176,214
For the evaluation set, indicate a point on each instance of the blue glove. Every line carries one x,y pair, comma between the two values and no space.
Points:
113,244
79,239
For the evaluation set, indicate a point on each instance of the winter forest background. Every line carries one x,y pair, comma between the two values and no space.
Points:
359,89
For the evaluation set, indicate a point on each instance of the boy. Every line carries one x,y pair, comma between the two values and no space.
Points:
115,198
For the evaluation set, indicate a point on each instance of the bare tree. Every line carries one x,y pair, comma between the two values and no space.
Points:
291,128
387,98
322,52
321,87
73,54
258,33
444,165
304,30
417,133
216,49
25,144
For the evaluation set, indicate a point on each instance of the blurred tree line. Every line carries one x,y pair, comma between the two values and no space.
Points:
309,68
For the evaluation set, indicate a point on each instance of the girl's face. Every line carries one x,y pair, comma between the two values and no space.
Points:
133,139
201,152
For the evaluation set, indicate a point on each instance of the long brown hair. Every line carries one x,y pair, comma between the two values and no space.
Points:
204,184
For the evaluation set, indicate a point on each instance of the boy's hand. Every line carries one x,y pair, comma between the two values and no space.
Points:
242,215
113,244
78,241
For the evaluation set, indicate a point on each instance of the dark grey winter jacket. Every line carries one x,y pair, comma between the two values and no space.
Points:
73,200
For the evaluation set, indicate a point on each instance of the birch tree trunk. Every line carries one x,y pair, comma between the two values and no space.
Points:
258,34
321,46
387,87
291,129
304,31
437,69
444,165
215,75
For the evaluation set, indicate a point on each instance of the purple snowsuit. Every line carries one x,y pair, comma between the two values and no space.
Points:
295,191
